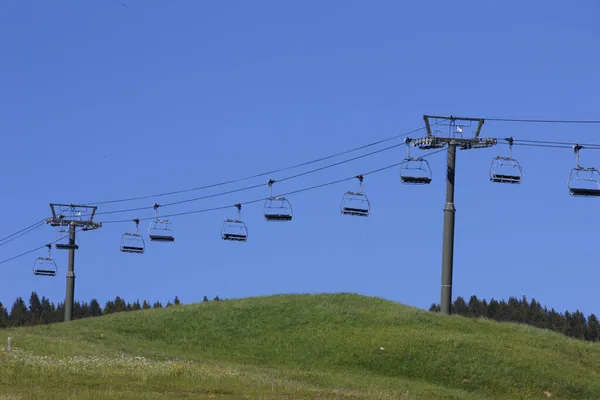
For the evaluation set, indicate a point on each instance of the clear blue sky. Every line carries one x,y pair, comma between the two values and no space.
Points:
112,99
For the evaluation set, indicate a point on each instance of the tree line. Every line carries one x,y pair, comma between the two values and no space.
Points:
572,324
43,311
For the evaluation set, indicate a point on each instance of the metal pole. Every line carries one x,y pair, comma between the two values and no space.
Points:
70,276
448,239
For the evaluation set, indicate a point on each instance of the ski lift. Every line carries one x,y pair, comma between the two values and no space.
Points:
414,171
506,169
356,203
277,208
235,229
133,242
583,181
45,266
159,230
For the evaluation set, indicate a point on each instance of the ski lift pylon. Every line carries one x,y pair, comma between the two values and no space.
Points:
414,171
45,266
235,229
506,169
133,242
277,208
356,203
159,230
583,181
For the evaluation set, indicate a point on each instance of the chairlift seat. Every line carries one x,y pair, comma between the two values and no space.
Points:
416,179
277,209
132,249
506,170
161,238
44,272
356,204
505,178
585,192
234,230
44,266
133,243
415,171
159,231
235,237
586,186
361,212
278,217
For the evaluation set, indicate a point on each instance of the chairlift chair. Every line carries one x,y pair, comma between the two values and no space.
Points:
356,203
414,171
583,181
235,229
277,208
159,230
506,169
133,242
45,266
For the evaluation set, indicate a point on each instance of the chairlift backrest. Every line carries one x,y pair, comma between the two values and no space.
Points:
278,209
584,182
355,203
505,170
132,243
234,230
415,171
44,266
159,231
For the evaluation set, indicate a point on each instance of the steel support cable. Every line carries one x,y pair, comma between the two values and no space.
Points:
265,198
41,222
553,142
549,121
237,180
557,146
36,249
312,171
229,206
16,236
259,174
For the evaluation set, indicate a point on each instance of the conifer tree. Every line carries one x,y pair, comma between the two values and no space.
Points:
145,305
593,329
18,313
176,301
136,306
35,309
120,304
95,309
47,314
4,321
109,307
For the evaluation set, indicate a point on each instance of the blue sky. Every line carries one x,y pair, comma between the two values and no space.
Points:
116,99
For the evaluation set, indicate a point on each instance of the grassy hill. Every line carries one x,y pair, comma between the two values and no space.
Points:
295,347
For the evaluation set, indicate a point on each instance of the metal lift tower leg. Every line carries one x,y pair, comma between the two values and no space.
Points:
59,219
69,298
452,140
448,240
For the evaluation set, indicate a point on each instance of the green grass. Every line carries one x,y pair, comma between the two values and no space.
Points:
295,347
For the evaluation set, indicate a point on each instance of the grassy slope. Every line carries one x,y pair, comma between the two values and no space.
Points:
296,346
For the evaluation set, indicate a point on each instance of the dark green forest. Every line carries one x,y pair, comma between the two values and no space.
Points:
43,311
572,324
